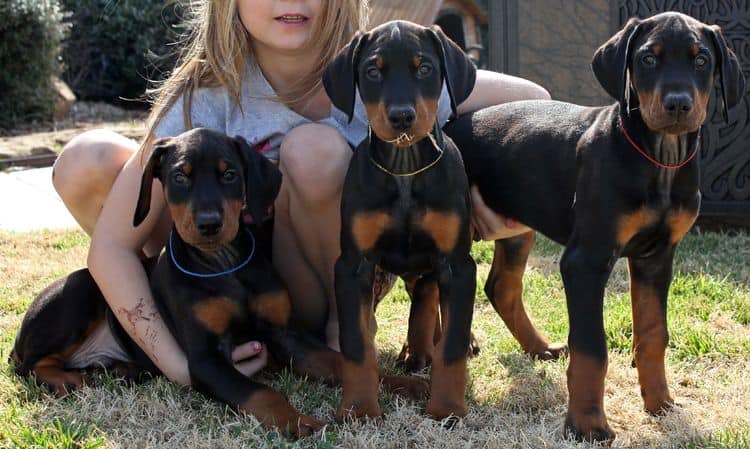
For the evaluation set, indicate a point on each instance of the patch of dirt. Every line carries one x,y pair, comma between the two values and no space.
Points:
36,140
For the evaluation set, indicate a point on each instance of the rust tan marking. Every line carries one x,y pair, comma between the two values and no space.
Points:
187,168
447,383
367,227
652,110
650,338
443,227
426,108
273,410
700,108
695,49
379,62
274,307
320,365
407,386
631,224
416,60
182,216
586,394
378,117
656,49
215,314
50,370
679,223
222,166
360,381
230,222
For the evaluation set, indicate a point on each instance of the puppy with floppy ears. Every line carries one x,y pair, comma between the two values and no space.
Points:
606,182
214,286
405,206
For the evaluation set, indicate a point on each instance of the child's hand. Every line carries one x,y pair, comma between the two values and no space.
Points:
489,225
250,357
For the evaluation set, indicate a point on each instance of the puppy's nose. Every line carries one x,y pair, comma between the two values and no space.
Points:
208,222
401,117
677,104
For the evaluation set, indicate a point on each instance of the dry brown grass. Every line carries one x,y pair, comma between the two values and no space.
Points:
515,402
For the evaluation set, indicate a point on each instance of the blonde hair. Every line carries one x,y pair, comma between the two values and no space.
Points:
217,47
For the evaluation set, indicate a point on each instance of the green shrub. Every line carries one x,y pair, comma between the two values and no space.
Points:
115,47
31,32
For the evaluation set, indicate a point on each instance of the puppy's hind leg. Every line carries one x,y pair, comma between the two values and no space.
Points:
504,288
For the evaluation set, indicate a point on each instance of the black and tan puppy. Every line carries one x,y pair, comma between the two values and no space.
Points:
607,182
405,205
213,286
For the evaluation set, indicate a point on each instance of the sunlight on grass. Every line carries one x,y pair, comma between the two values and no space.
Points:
514,401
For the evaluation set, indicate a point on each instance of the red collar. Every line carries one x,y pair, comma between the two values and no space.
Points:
654,161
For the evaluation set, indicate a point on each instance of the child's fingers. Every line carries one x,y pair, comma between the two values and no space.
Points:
252,366
246,350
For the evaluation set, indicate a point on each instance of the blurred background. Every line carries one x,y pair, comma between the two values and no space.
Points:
69,65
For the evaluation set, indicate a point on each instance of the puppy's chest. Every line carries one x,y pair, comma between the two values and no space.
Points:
409,222
236,308
657,222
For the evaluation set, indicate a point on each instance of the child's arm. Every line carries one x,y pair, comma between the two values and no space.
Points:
493,88
114,264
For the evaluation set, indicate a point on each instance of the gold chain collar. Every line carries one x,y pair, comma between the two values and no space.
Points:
426,167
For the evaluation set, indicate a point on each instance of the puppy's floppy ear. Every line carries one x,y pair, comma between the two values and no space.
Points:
729,71
340,75
262,180
151,170
458,70
611,60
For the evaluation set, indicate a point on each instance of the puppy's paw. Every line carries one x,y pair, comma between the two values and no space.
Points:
589,427
407,386
553,351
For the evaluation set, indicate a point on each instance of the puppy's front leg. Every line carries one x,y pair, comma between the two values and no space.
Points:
457,284
214,375
359,371
649,286
586,265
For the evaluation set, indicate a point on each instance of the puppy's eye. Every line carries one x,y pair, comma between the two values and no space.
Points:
373,73
180,178
229,176
649,60
424,70
700,61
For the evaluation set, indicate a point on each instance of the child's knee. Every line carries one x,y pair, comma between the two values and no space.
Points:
90,161
314,159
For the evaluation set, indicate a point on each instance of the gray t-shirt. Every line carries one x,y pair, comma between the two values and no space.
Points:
261,120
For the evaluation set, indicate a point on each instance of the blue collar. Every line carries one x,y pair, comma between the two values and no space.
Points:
209,275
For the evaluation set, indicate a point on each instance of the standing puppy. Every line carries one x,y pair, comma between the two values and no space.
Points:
608,182
405,204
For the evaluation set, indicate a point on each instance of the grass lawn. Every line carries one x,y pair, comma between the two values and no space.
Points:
515,402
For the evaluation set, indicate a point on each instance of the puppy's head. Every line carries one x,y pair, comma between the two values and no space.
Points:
666,66
208,179
399,68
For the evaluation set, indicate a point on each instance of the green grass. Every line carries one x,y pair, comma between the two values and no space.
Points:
514,401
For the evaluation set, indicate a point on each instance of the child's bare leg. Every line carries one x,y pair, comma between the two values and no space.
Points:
314,159
85,171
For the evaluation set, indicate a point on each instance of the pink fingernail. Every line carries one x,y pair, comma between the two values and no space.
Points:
257,346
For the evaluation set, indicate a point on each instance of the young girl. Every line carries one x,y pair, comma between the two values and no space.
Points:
251,68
